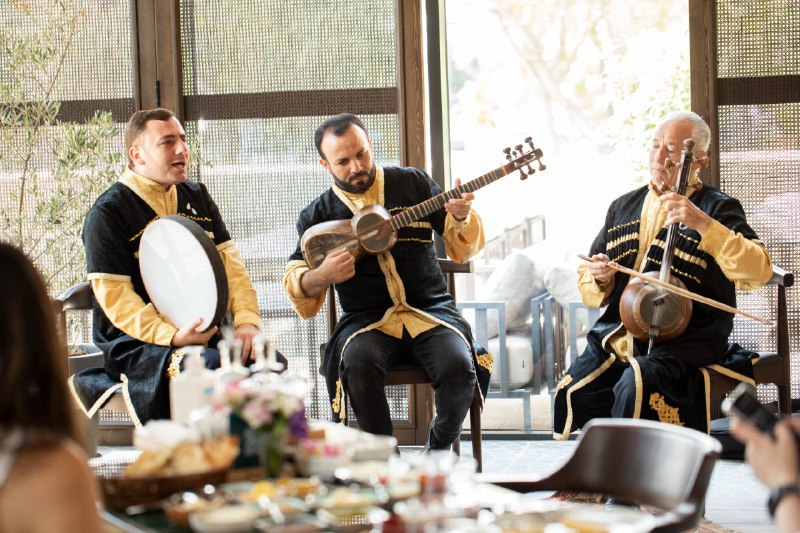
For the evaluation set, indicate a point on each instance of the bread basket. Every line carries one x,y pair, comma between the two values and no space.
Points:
121,491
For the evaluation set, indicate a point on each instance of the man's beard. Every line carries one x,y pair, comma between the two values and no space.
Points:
358,188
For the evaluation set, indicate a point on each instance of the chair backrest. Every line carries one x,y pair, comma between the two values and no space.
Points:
647,462
76,298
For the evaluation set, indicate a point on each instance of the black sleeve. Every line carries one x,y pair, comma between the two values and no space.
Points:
221,233
106,243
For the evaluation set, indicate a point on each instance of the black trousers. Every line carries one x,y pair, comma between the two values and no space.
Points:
440,351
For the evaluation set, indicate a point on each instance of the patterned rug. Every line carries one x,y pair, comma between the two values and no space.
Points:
705,526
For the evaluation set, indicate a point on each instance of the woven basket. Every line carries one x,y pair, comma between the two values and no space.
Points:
121,491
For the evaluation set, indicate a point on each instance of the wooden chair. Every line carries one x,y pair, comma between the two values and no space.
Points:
642,461
411,374
114,427
772,367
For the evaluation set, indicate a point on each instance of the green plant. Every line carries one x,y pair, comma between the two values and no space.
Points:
50,170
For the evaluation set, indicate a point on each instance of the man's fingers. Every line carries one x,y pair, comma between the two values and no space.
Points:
195,326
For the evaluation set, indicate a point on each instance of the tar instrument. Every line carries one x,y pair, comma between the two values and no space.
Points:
656,305
372,230
183,272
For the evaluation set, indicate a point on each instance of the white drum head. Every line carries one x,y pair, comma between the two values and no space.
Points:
183,272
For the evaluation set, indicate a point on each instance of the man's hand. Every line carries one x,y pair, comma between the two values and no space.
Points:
681,211
599,270
191,335
460,207
337,267
246,333
774,460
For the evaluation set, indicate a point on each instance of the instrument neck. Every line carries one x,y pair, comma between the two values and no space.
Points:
680,187
434,203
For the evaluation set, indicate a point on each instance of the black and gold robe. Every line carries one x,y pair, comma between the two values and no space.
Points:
134,337
671,385
366,298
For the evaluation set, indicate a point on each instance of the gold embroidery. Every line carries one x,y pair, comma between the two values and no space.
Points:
625,225
198,219
666,413
625,254
174,367
337,398
623,239
566,380
142,230
693,259
426,241
675,270
486,361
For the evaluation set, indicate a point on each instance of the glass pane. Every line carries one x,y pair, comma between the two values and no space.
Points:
51,171
271,46
758,38
760,165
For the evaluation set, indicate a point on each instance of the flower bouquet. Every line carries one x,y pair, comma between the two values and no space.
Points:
266,410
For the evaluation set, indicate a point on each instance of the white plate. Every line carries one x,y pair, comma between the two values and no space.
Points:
228,519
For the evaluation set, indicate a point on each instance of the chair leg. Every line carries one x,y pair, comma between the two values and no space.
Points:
457,446
475,431
784,400
526,413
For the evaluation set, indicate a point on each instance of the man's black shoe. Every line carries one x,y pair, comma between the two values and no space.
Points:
433,445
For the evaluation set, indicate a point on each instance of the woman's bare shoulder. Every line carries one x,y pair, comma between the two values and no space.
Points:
56,460
53,483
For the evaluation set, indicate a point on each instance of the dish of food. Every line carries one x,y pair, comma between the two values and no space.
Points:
227,519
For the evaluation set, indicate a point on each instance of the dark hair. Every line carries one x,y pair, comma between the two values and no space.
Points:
33,365
336,125
138,122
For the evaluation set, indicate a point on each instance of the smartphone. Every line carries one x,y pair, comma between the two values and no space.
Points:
743,403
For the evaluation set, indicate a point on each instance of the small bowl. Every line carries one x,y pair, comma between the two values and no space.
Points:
319,465
343,498
358,519
375,448
180,505
227,519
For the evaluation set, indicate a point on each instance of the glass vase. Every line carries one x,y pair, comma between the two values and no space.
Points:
272,454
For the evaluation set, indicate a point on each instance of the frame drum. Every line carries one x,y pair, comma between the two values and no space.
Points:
183,272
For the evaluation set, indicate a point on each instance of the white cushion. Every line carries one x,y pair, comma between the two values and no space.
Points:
513,283
520,357
562,284
517,279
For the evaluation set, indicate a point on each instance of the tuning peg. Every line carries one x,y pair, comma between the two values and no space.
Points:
702,160
507,151
518,148
531,170
542,166
522,175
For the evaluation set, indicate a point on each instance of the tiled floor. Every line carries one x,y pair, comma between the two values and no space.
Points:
735,500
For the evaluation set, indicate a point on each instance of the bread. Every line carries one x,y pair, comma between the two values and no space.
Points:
186,458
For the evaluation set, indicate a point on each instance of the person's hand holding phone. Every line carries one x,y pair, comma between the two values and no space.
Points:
775,461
